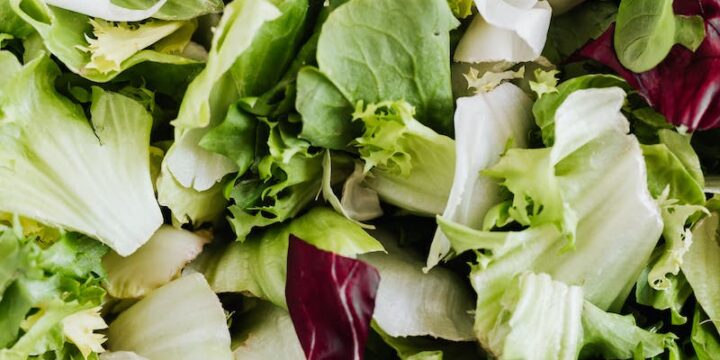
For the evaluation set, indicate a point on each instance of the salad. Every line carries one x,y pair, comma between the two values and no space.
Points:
359,179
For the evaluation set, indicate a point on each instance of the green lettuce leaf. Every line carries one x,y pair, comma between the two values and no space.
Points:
402,305
409,164
704,337
50,298
503,117
613,336
156,263
570,31
266,332
402,65
175,9
545,108
181,320
60,170
257,266
646,30
64,34
534,304
702,264
672,297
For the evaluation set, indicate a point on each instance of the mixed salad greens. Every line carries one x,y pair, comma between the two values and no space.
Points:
349,179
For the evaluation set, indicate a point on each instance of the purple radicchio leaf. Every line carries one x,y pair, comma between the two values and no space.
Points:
685,87
331,299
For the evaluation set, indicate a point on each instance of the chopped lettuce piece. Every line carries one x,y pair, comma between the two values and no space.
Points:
646,30
704,337
502,117
613,336
49,297
592,164
413,303
206,102
181,320
399,64
572,30
409,164
533,304
505,30
57,168
358,201
176,9
672,298
492,78
113,44
546,107
702,264
266,332
65,33
80,327
156,263
106,9
257,266
678,240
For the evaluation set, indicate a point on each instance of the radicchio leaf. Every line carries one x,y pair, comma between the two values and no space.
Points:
684,87
331,299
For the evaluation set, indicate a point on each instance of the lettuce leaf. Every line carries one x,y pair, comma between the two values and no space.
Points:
701,264
153,265
175,9
266,331
105,9
403,65
536,303
257,266
505,31
408,163
50,297
614,336
60,170
503,117
65,33
410,302
181,320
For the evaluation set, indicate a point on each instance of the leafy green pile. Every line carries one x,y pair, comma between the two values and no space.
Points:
471,185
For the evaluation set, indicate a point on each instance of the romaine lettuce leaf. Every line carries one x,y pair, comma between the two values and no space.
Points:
57,168
533,304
